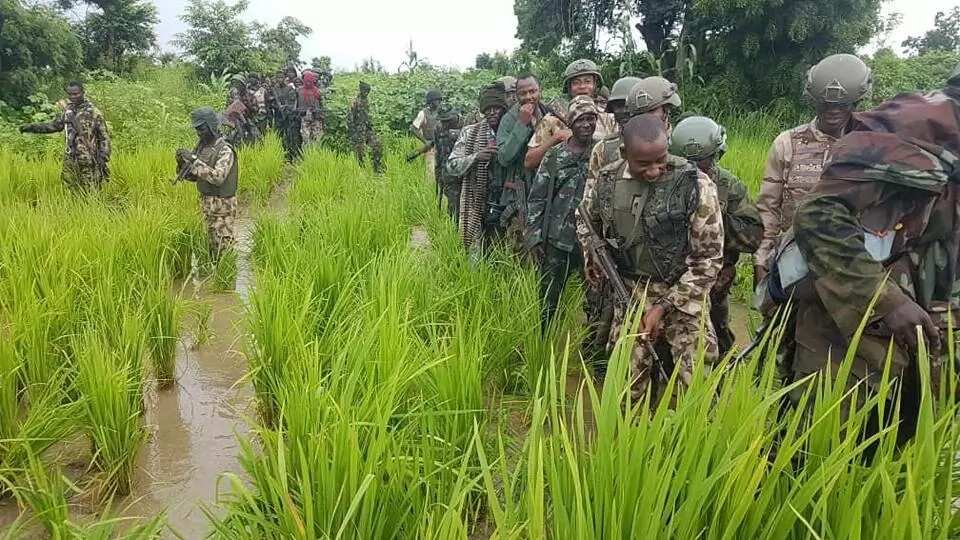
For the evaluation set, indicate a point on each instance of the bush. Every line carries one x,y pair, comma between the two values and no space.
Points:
893,74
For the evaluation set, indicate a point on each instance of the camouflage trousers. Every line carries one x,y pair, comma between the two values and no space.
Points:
555,267
311,128
220,216
720,308
682,334
360,145
80,176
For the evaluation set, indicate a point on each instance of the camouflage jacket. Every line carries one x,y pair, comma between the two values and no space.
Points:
85,129
690,292
884,217
555,194
359,121
443,142
742,228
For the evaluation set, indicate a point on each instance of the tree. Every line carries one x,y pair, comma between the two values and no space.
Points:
321,63
571,27
658,24
281,45
37,49
116,30
217,39
945,35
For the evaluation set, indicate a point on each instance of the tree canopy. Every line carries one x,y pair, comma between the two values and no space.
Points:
945,35
115,31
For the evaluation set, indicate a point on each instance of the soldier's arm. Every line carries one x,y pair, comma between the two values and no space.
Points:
512,138
770,199
459,163
54,126
543,140
706,253
103,138
742,227
829,235
536,205
416,127
217,174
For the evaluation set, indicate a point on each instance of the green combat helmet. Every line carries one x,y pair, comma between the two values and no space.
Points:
621,88
651,93
433,95
838,78
697,138
954,78
581,67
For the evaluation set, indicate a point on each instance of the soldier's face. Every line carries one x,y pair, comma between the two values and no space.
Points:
511,98
75,95
583,128
646,160
619,110
528,91
833,117
433,104
493,116
583,85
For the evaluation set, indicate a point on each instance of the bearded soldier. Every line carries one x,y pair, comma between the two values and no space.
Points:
424,126
444,139
835,86
87,154
555,194
880,234
703,141
310,109
660,218
474,161
360,129
213,166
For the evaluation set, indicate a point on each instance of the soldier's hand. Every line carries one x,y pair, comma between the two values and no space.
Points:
525,115
903,322
653,322
486,154
562,136
184,155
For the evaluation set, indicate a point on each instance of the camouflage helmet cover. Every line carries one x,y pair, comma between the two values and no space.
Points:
838,78
581,67
954,78
651,93
697,138
621,88
580,106
509,83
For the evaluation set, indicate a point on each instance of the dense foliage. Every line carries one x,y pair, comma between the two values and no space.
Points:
945,35
118,32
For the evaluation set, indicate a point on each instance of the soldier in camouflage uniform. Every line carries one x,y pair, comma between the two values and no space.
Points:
703,141
603,99
86,157
661,219
213,166
835,86
361,132
310,109
883,220
424,126
287,117
555,194
444,139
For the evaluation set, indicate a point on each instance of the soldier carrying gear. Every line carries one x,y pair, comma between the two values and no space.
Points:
445,137
654,95
834,86
703,141
361,132
424,127
617,104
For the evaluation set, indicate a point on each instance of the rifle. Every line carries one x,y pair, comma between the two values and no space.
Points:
420,151
597,248
184,168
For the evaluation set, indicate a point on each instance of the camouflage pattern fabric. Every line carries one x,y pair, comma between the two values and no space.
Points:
87,153
362,135
793,168
443,143
219,215
311,127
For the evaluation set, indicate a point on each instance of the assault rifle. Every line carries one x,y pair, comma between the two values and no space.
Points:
184,169
420,151
597,249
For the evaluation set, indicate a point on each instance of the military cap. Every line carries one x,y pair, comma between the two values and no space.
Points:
580,106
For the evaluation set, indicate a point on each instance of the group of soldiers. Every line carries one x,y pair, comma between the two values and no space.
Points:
855,231
856,220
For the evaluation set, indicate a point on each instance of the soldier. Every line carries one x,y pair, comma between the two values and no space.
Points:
444,139
654,95
513,136
213,166
835,86
239,117
360,129
310,109
880,235
661,217
86,157
703,141
510,83
474,161
555,194
603,98
607,151
424,126
287,118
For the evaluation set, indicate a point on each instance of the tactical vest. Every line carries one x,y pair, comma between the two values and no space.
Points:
209,156
648,223
806,164
430,124
610,151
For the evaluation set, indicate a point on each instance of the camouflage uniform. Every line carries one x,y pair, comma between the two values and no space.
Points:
742,232
885,218
425,125
555,194
215,172
87,153
672,251
792,170
362,134
443,142
310,110
476,178
288,120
